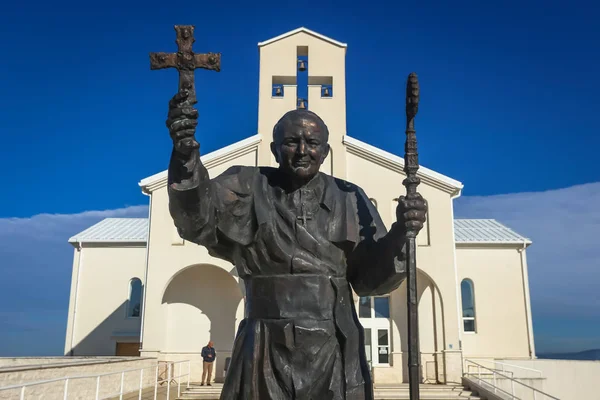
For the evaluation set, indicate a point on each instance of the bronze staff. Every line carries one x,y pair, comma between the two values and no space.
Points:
411,165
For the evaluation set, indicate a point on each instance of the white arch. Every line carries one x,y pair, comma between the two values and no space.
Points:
202,302
201,265
431,326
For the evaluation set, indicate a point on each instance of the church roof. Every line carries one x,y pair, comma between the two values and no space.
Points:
114,230
353,145
135,230
214,157
476,231
396,163
305,30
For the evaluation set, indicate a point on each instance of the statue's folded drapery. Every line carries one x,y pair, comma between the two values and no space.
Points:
299,254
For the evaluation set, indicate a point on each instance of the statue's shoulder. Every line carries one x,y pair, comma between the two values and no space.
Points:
343,185
240,170
238,178
267,171
268,176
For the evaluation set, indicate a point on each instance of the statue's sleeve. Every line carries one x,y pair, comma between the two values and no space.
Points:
376,265
216,213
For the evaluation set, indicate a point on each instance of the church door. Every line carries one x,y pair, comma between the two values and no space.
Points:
128,349
374,316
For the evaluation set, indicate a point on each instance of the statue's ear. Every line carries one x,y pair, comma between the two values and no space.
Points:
275,151
325,152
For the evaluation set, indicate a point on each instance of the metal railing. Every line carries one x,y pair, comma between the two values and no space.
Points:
159,379
489,381
511,366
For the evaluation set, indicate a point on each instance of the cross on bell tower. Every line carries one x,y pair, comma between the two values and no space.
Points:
299,79
303,69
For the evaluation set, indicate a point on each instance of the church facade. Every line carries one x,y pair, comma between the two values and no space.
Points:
139,289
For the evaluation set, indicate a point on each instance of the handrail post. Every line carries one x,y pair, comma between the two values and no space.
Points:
98,387
179,380
121,391
141,384
66,396
156,382
534,393
189,373
494,377
169,381
479,373
23,392
512,387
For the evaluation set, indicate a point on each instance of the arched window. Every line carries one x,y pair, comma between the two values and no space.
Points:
468,305
134,303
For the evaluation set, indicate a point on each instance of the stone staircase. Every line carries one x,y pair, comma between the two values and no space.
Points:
382,392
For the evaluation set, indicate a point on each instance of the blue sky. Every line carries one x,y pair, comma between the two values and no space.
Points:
509,106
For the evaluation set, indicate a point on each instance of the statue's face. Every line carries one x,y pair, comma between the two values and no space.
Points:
300,147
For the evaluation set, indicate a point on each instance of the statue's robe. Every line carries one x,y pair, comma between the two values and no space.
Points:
301,338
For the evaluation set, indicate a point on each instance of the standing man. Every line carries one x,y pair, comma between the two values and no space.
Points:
208,355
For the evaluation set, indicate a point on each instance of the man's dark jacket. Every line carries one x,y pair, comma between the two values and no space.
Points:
206,351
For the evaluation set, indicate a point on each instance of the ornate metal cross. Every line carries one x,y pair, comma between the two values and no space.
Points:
185,61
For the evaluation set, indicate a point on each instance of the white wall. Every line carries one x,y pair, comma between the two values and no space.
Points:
501,314
565,379
99,310
84,388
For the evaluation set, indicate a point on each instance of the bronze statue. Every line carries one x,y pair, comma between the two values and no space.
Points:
300,240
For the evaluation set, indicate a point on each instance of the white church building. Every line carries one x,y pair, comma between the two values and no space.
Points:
139,289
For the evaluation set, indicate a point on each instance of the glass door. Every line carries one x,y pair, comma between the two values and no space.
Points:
383,346
368,348
374,316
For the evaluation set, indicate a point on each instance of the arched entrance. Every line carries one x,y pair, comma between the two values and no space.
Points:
431,329
203,303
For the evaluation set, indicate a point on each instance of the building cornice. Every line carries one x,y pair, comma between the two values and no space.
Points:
120,243
396,163
511,244
210,160
305,30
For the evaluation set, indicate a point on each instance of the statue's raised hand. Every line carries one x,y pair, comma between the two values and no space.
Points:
411,212
182,121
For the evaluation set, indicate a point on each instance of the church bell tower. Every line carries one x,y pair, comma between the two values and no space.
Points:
303,69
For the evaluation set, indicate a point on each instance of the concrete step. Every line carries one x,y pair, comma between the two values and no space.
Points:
382,392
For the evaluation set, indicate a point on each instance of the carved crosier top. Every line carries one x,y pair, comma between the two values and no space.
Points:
412,99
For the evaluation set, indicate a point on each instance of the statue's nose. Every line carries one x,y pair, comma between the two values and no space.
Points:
301,149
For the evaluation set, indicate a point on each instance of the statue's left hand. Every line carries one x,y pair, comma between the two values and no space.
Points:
411,212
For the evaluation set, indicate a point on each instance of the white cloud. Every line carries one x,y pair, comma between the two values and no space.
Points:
52,224
564,259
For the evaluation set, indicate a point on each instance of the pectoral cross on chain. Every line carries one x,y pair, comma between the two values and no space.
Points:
304,217
185,61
